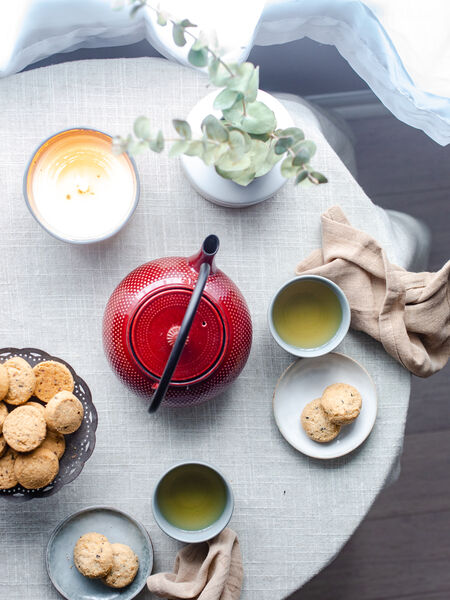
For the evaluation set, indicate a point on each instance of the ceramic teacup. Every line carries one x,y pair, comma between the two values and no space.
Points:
327,345
176,530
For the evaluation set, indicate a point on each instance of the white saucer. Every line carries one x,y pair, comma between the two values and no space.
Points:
306,379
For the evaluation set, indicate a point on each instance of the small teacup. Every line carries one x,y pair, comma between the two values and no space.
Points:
199,520
327,303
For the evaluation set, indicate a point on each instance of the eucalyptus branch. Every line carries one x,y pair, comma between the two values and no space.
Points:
244,142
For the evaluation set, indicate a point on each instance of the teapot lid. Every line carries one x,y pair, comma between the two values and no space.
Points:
154,329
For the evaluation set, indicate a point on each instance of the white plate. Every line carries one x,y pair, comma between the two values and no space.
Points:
305,380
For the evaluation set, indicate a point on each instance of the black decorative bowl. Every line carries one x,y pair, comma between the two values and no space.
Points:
79,445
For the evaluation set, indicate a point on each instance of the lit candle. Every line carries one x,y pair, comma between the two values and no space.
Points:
77,189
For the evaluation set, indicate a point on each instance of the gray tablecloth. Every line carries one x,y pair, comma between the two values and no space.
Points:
292,513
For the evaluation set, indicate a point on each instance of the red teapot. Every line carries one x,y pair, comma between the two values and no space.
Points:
178,329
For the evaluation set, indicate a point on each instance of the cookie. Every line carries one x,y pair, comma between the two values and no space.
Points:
55,442
3,415
93,555
342,403
3,445
4,381
124,568
21,381
316,423
40,407
52,377
24,428
64,413
8,477
36,469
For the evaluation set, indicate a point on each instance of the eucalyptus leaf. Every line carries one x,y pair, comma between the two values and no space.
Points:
219,74
258,118
252,86
178,35
287,169
195,149
157,144
198,58
270,161
214,129
162,18
136,8
293,132
316,177
186,23
302,175
304,151
182,128
230,162
226,99
142,128
242,77
283,144
242,177
178,148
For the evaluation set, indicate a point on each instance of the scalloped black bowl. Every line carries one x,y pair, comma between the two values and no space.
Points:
79,445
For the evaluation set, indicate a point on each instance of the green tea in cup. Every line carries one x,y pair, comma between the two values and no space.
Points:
309,315
191,496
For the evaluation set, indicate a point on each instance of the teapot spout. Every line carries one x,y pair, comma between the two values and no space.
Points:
206,254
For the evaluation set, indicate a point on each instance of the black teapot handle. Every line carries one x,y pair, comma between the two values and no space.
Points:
209,249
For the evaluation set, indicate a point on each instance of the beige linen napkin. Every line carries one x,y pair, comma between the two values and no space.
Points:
208,571
409,313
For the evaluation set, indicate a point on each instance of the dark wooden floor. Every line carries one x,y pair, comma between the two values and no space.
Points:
402,549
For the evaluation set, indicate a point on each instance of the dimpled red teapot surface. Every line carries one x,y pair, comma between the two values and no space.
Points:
142,320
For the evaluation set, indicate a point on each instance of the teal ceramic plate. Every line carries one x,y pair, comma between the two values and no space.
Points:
118,527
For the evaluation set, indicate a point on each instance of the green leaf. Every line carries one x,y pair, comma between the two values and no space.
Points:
258,118
199,44
226,99
186,23
243,74
238,145
162,18
141,128
304,151
178,148
195,149
178,35
287,169
270,161
282,144
230,162
303,174
182,128
157,145
198,58
219,74
214,129
242,177
317,178
293,132
136,8
252,86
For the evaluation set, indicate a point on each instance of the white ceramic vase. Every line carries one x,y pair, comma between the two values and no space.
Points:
225,192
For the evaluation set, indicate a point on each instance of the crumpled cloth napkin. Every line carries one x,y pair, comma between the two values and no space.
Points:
208,571
409,313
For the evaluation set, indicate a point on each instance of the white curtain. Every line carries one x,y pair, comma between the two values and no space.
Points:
401,48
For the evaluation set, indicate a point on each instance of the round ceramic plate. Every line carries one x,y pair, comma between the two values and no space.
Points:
305,380
118,527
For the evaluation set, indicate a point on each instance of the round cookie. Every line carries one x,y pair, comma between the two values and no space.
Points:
3,445
40,407
36,469
93,555
125,567
64,413
21,381
55,442
8,477
316,423
52,377
4,381
342,403
24,428
3,415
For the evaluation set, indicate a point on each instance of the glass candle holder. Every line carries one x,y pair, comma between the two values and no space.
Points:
77,189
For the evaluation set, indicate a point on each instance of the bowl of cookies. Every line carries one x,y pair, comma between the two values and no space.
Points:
47,424
326,406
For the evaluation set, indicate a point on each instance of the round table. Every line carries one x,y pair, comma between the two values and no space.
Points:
292,513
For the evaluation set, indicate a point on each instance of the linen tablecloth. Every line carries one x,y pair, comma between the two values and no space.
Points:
292,513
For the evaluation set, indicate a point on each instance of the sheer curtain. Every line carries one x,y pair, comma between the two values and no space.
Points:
401,48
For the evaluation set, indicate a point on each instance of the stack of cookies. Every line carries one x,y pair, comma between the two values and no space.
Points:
31,432
323,418
95,557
